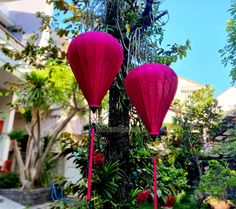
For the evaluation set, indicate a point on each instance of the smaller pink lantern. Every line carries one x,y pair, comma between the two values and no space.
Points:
151,88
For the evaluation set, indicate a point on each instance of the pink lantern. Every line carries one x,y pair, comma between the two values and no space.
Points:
95,58
151,88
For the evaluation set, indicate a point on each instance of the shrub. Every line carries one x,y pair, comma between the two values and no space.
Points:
9,180
186,200
217,180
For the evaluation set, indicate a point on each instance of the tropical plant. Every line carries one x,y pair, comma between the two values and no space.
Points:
40,93
106,181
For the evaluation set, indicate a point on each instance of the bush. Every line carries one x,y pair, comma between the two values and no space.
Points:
217,181
186,200
9,180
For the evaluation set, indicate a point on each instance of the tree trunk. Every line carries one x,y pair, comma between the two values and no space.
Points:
119,104
53,137
118,107
25,183
197,161
119,122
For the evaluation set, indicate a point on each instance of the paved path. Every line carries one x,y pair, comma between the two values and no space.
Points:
9,204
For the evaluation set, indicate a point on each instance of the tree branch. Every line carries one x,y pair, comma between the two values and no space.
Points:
74,99
58,129
38,130
53,138
146,20
160,15
148,8
131,5
20,164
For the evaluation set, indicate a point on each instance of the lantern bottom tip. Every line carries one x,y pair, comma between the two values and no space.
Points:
154,134
93,108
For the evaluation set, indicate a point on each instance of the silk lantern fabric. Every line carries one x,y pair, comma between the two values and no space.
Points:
151,88
95,58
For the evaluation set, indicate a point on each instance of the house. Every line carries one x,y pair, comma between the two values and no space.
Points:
185,88
227,102
15,14
227,99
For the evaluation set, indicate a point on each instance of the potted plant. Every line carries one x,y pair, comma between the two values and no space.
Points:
215,185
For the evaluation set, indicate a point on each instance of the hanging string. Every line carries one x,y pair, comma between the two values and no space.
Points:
155,182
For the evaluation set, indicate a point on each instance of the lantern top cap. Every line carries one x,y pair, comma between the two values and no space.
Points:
154,65
96,35
152,68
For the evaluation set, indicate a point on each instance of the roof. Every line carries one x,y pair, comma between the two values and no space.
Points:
232,88
199,84
10,35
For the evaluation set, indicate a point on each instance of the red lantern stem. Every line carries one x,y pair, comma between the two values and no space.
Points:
155,182
90,169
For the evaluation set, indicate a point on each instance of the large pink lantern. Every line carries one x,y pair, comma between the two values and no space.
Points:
95,58
151,88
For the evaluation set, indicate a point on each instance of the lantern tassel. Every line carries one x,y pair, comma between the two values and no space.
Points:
90,168
155,182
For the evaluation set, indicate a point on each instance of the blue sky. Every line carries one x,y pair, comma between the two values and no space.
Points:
203,23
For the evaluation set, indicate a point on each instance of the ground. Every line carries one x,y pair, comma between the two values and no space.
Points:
9,204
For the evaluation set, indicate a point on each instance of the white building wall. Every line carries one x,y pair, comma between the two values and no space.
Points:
20,14
25,9
227,100
30,6
8,125
186,87
71,172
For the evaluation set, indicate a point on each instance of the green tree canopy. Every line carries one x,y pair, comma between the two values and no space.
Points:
196,122
228,52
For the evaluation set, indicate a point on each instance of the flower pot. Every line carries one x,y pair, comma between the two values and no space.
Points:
6,166
1,125
170,200
219,204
